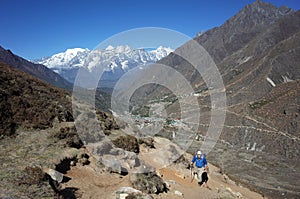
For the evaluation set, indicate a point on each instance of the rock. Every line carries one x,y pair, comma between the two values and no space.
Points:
172,181
83,161
113,165
128,159
230,191
123,195
178,193
72,163
183,160
131,193
239,195
158,173
55,175
225,178
147,141
128,190
110,156
167,184
148,183
104,148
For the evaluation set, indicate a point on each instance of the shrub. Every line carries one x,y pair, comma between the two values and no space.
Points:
127,142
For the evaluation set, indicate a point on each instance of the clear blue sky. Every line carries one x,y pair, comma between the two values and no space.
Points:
38,28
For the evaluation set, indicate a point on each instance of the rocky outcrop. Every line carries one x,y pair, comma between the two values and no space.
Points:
148,183
116,160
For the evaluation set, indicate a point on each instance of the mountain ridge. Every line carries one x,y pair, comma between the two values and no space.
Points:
37,70
120,58
257,54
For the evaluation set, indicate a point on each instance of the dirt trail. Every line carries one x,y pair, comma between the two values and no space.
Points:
219,186
94,182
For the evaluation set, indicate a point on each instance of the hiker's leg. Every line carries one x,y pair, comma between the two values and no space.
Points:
205,179
205,176
199,171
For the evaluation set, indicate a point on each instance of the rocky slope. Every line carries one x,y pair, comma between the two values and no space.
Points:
257,54
37,132
94,183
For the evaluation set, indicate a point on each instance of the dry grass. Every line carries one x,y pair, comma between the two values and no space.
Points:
29,103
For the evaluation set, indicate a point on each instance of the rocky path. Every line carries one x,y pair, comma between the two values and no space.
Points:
92,182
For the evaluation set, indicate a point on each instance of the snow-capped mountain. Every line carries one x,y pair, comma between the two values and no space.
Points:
69,59
120,59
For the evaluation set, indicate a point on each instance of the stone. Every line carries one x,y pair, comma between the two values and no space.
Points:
178,193
129,192
104,148
55,175
239,195
148,183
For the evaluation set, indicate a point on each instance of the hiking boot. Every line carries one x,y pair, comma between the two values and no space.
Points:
200,184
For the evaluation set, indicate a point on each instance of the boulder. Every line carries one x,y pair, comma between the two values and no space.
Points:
131,193
55,175
149,183
178,193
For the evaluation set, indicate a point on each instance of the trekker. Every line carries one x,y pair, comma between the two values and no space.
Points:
201,165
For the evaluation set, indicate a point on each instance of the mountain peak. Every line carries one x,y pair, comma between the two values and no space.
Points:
110,47
259,2
120,58
74,50
265,10
254,17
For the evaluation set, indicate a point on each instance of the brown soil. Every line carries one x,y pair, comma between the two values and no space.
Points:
94,182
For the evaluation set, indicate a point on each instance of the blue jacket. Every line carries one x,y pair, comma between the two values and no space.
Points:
199,162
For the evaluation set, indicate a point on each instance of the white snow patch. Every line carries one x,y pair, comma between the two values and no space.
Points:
93,63
124,65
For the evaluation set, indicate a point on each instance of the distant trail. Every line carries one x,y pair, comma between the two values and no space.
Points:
274,129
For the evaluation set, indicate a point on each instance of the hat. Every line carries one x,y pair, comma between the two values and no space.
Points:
199,153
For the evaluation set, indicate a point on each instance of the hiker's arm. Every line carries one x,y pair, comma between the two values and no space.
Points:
205,162
193,160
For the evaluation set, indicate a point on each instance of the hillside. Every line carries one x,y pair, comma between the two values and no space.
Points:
57,145
30,103
37,70
257,54
38,134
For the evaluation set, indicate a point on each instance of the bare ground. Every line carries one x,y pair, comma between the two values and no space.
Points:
93,182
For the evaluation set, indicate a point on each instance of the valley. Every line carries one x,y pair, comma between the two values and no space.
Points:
124,121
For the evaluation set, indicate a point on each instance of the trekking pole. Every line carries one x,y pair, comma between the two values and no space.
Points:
192,173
